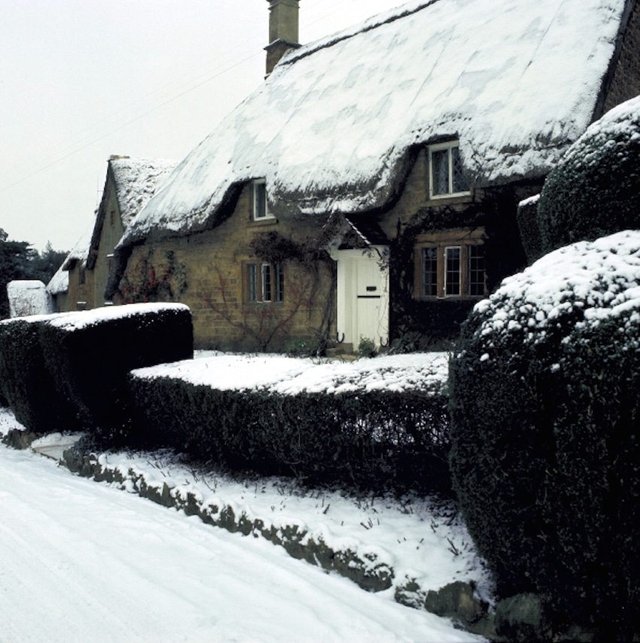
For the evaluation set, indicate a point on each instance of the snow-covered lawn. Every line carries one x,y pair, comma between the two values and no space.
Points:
82,561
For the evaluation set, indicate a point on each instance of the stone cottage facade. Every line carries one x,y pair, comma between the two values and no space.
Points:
369,188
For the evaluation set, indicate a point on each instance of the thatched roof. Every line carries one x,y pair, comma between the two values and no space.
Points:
515,80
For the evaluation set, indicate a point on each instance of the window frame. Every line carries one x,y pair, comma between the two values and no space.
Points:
439,147
445,285
257,184
263,282
442,242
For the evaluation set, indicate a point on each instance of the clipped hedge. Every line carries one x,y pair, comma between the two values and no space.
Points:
595,190
89,354
26,385
530,229
375,440
545,436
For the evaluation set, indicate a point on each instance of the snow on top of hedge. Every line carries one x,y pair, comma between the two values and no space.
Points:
592,281
290,375
622,123
27,297
84,318
330,128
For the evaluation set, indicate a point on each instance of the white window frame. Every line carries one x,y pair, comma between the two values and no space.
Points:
254,201
439,148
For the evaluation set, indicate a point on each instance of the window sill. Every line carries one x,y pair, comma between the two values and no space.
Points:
264,221
451,298
446,199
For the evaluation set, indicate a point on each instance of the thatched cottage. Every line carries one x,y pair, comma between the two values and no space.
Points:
368,188
129,184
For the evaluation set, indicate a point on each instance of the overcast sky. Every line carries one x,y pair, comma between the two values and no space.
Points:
83,79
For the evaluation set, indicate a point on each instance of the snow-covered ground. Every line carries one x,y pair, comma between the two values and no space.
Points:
80,560
292,375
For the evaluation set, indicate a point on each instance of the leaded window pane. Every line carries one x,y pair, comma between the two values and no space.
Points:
452,271
279,274
266,282
476,271
252,282
440,172
459,182
430,272
259,200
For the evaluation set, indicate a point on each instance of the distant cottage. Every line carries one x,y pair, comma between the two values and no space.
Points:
81,280
368,189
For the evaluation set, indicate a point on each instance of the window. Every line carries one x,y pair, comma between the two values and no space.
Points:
452,271
477,286
259,205
446,177
264,282
450,264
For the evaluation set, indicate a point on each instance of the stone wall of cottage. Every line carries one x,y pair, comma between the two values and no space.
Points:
80,293
626,78
111,232
207,272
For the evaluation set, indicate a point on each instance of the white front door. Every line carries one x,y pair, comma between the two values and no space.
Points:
363,296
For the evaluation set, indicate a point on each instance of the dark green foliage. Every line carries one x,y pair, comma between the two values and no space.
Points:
90,362
530,230
595,190
25,382
545,454
380,440
14,264
43,265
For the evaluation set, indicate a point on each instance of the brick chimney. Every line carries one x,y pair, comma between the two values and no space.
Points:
283,30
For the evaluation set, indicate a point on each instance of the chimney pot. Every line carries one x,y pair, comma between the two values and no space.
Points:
284,30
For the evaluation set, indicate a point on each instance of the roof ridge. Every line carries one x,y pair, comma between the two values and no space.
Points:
371,23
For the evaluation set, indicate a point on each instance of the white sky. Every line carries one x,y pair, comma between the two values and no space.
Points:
83,79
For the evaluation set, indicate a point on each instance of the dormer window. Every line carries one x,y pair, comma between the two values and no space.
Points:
445,171
260,210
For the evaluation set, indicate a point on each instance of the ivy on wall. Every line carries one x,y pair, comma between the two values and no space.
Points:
146,283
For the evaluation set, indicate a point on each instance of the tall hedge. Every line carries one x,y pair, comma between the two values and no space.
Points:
25,381
545,436
89,354
373,440
595,190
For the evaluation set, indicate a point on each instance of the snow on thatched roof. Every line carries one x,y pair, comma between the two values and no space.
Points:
59,283
136,181
79,252
515,80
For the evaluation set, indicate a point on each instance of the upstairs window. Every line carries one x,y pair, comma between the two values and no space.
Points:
265,282
445,175
259,207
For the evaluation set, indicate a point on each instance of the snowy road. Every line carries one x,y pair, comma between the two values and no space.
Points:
80,561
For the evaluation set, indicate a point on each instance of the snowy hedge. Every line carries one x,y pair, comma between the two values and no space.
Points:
377,424
545,436
595,190
59,372
90,354
25,382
